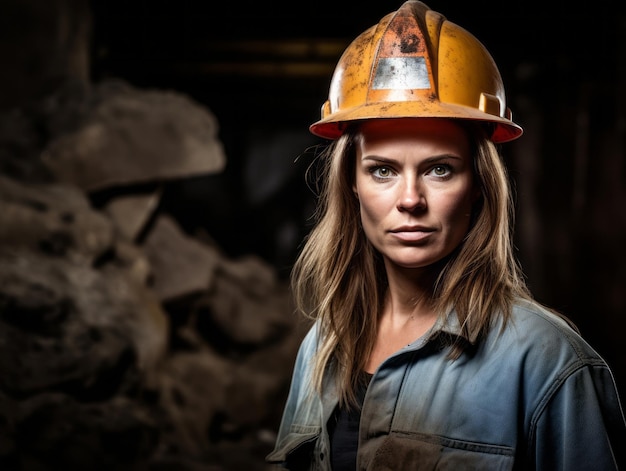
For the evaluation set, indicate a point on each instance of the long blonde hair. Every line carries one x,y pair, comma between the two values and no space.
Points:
340,281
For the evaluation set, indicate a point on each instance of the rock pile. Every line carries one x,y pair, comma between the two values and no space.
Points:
125,342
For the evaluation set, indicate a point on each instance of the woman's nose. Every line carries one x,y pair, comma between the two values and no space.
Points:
411,197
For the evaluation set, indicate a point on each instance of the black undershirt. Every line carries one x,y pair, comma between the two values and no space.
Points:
343,428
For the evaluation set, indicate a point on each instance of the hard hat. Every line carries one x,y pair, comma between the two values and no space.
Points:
415,63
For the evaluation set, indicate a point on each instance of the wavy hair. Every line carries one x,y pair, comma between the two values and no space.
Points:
339,278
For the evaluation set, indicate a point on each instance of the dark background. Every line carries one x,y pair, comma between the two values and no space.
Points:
263,69
563,68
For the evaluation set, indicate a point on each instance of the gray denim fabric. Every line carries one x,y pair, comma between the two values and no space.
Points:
532,396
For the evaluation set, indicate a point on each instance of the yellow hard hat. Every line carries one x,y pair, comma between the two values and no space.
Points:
415,63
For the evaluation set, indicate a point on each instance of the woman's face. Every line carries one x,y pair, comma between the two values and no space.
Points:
415,185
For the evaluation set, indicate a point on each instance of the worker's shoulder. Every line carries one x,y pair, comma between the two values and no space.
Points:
535,328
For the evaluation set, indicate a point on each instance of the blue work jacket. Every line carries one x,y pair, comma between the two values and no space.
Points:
533,395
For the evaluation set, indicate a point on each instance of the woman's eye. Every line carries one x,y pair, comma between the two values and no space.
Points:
382,172
441,170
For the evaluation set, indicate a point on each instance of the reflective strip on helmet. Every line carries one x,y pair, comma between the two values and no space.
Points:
401,73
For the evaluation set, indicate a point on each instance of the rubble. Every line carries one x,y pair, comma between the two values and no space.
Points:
125,342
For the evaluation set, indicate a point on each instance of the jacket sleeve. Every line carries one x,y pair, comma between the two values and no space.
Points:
291,437
580,425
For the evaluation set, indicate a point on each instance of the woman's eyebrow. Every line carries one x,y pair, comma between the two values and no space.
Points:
378,158
427,160
440,157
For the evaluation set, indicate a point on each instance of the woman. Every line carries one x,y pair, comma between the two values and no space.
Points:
427,350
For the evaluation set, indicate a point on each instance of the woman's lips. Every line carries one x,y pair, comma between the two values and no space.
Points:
412,233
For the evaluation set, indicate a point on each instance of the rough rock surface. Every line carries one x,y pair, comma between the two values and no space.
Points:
125,342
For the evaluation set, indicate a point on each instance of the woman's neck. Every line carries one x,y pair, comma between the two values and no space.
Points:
410,291
407,313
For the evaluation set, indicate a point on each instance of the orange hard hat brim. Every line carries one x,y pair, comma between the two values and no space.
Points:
334,126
